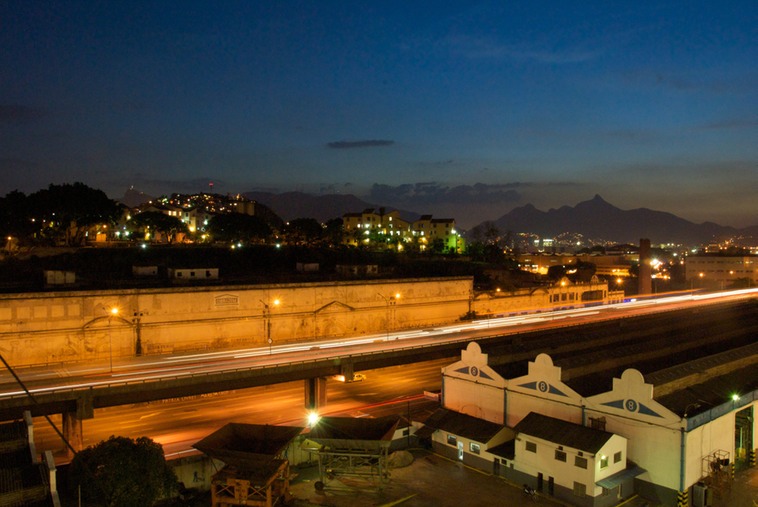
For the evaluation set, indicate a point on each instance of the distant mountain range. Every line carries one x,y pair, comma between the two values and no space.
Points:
291,205
595,219
598,220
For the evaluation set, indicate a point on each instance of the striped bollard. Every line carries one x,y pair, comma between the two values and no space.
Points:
683,499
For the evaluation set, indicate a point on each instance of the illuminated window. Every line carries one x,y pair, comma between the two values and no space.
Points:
474,448
603,462
452,440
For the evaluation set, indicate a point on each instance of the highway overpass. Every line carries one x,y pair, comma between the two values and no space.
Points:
730,321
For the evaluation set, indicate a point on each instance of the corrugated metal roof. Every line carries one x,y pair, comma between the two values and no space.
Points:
247,445
353,433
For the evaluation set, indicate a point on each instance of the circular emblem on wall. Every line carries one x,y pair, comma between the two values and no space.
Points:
474,371
542,386
631,405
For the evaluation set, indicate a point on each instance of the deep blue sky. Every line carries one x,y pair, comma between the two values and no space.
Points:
537,102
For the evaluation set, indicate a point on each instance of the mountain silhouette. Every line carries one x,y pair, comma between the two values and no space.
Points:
596,219
292,205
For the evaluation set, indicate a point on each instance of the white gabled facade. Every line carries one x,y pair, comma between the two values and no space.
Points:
653,430
472,387
541,390
660,452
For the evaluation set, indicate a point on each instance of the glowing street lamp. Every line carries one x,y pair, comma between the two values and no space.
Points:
267,321
113,312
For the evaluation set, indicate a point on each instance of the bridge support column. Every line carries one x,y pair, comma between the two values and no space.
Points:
72,422
315,393
72,432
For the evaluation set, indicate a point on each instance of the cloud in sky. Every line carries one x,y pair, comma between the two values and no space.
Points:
488,91
364,143
14,113
157,186
484,48
428,193
734,123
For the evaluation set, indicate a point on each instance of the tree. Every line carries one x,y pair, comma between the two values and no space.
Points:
491,233
15,217
235,227
160,222
303,231
123,472
65,212
333,232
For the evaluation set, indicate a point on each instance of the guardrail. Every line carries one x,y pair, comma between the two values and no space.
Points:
250,376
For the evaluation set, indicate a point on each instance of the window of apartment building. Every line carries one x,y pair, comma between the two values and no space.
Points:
560,455
603,462
474,448
452,440
531,447
617,457
580,462
579,489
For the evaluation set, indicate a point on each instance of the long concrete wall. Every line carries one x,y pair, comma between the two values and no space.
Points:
59,327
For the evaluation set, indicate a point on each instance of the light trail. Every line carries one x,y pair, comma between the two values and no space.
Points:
142,370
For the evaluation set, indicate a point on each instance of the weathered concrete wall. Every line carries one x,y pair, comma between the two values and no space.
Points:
56,327
72,326
562,294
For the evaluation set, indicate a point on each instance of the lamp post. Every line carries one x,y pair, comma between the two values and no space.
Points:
267,322
390,301
113,312
137,322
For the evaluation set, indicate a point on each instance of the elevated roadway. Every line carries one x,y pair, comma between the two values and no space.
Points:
76,391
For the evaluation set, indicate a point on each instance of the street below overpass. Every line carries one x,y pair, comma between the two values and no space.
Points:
178,422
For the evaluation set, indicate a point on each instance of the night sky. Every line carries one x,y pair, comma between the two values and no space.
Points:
462,109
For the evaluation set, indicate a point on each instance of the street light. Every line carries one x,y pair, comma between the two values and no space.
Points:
390,301
113,312
267,321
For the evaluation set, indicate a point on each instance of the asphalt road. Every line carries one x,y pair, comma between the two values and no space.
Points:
179,423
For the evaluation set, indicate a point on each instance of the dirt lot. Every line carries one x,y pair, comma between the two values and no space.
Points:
430,480
433,481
